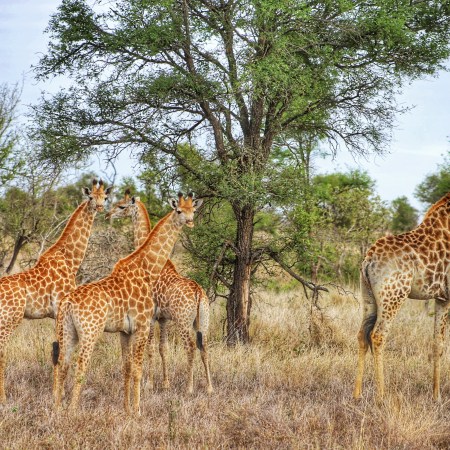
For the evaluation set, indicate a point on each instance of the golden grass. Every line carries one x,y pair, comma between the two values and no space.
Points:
285,390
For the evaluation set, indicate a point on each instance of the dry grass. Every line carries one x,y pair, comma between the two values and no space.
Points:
285,390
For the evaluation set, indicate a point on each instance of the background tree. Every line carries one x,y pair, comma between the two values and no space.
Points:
225,79
404,216
435,185
9,161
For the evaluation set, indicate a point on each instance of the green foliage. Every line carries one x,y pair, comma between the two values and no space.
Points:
204,91
404,216
435,185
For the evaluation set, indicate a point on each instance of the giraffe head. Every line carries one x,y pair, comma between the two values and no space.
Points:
185,209
124,207
97,196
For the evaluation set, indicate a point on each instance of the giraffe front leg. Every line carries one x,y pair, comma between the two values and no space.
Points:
137,360
125,341
440,325
163,345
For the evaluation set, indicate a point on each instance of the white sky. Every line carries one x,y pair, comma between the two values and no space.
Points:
420,139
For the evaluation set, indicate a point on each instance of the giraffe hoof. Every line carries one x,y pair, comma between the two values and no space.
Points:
210,390
166,385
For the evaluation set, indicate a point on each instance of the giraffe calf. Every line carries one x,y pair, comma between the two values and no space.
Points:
176,297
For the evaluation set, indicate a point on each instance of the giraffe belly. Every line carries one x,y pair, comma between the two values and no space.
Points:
39,307
425,290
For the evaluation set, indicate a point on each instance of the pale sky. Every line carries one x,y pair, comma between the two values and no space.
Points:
420,140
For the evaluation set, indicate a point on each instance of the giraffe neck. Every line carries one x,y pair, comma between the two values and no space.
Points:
74,238
437,217
141,224
153,254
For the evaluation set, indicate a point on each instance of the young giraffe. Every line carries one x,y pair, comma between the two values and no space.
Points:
177,298
35,293
120,302
414,265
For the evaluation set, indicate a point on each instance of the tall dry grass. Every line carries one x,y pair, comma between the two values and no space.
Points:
287,389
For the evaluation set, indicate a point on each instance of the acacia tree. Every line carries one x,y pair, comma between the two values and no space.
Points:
227,77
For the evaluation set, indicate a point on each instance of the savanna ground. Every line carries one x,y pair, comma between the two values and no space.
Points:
287,389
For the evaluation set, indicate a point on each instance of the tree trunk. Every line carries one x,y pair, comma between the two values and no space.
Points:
20,242
238,306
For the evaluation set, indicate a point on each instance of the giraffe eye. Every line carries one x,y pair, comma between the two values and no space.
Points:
179,211
122,207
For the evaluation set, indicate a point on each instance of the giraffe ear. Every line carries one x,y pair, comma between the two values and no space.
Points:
86,191
135,199
197,203
173,203
109,190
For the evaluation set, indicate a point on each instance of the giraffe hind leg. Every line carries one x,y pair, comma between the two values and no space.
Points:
163,345
364,334
440,326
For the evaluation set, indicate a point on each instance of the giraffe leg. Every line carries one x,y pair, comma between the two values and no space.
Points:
61,370
138,350
125,341
7,326
440,325
150,352
2,375
363,347
84,356
163,345
189,346
369,315
204,354
378,338
66,340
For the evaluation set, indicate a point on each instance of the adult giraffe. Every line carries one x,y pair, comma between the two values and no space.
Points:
120,302
177,298
414,265
35,293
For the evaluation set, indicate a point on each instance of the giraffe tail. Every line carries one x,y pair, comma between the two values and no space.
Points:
202,319
55,352
369,305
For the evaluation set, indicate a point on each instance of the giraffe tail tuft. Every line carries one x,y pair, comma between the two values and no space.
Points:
55,352
368,325
200,341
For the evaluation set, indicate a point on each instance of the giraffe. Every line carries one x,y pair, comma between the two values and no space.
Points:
177,298
119,303
416,265
35,293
